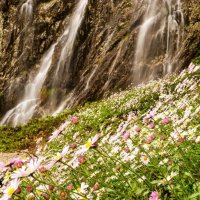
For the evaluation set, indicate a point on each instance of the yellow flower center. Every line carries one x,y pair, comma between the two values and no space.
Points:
11,191
145,158
88,144
79,190
38,192
58,157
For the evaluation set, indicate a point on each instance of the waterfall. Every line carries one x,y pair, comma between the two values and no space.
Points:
27,8
62,69
26,108
26,11
160,34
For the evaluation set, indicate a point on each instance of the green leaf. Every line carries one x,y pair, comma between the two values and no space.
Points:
194,196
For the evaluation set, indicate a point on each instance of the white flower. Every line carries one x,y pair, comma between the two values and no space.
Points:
164,161
172,175
31,167
140,180
197,139
8,192
30,196
83,188
58,131
90,143
54,135
145,160
62,154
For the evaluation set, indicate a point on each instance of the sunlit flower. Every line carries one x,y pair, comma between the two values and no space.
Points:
9,191
126,135
54,135
69,187
151,125
145,159
58,131
83,188
143,178
31,167
62,154
88,145
137,128
166,120
172,175
197,139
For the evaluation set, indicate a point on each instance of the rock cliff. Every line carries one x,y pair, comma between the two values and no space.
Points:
104,50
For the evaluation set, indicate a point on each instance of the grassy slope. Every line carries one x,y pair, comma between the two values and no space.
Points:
125,163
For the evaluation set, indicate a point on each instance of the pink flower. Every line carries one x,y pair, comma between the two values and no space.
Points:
148,141
42,169
18,190
151,125
2,167
29,189
75,120
126,149
19,164
96,186
165,120
46,196
181,139
81,159
152,136
73,145
145,120
137,128
63,126
69,187
154,196
126,135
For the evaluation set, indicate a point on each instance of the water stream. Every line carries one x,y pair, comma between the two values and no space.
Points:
160,33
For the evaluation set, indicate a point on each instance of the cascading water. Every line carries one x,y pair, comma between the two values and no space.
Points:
62,68
160,34
26,108
27,9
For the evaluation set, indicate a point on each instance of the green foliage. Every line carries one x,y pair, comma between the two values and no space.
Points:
196,60
22,137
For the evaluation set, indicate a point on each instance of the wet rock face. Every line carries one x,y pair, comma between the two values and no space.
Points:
25,38
104,51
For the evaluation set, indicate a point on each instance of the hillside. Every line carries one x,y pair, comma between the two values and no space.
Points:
56,54
142,143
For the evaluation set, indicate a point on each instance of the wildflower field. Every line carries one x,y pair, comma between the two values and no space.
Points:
143,143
